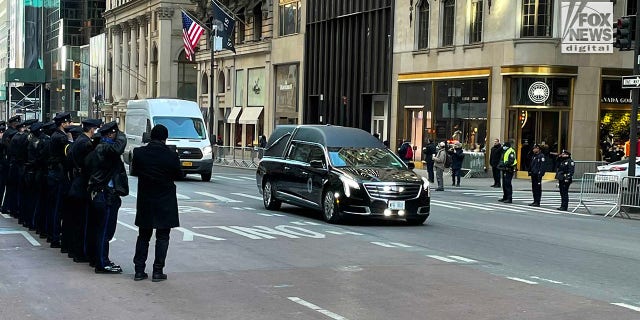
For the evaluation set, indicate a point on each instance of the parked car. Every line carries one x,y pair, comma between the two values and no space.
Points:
609,175
341,172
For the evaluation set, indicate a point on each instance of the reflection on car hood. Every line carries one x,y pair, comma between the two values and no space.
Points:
370,174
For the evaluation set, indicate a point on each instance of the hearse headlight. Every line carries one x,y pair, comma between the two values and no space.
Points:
206,150
349,184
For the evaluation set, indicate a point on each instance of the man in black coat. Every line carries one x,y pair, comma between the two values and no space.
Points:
57,180
107,183
35,175
427,154
78,199
20,150
4,163
10,181
494,160
157,167
536,172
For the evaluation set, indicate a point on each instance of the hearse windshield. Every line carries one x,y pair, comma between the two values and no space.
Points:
364,157
183,127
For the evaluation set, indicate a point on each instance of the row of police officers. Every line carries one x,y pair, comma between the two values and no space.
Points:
65,183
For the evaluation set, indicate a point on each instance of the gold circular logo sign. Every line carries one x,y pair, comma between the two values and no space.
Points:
539,92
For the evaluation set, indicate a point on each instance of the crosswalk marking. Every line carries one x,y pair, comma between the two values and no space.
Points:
128,226
463,259
522,280
226,178
452,259
444,204
247,196
182,197
217,197
492,205
305,223
6,216
441,258
248,178
628,306
391,244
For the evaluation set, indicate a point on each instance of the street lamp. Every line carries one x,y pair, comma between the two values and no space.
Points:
95,95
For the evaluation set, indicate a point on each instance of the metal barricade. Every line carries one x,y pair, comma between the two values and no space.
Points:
629,195
583,167
473,163
241,157
599,192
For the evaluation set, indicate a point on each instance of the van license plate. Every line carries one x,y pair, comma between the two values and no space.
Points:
396,205
187,164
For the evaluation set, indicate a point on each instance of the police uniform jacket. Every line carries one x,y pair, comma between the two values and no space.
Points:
76,156
157,167
57,145
6,140
537,165
19,146
566,169
104,164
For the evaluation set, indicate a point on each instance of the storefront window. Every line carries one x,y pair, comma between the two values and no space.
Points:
415,114
289,17
286,94
461,112
614,133
553,92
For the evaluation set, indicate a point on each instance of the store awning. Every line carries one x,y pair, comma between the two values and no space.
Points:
250,115
233,115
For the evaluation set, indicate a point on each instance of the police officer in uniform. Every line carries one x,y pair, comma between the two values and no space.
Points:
4,165
507,166
536,172
19,148
564,174
33,167
57,180
78,195
11,183
44,220
107,183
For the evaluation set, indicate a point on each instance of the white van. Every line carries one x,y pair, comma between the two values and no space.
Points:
187,131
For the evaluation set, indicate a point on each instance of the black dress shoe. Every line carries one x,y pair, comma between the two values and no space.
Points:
497,186
92,264
157,277
501,200
507,201
64,250
561,209
55,244
534,204
80,259
141,276
108,270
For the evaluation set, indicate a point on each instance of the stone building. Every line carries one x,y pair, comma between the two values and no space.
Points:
474,70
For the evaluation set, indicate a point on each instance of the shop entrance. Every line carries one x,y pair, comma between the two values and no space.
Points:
548,128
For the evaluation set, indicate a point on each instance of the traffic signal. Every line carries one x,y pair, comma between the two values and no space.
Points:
625,32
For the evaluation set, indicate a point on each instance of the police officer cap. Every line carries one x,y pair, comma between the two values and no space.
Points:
3,128
91,123
108,128
3,123
75,129
536,146
62,117
14,119
29,122
49,125
36,127
566,152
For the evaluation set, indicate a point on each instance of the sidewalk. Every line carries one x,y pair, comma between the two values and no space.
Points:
485,183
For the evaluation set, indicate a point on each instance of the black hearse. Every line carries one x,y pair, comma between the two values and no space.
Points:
342,172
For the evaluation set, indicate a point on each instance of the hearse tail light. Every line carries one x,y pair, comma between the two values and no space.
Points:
348,184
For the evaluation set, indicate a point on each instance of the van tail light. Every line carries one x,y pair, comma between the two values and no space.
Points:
617,168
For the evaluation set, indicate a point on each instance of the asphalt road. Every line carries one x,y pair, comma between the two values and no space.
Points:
475,258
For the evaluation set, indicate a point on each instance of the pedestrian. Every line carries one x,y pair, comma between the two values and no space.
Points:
427,153
44,222
406,151
457,157
82,226
438,163
58,181
566,169
24,196
156,167
536,172
376,135
35,171
107,183
507,167
18,151
10,180
494,161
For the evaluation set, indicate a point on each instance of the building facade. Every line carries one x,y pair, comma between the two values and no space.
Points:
475,70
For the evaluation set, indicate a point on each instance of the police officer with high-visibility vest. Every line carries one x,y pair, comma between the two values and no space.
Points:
508,167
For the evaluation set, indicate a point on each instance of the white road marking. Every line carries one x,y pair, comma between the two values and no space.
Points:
473,206
217,197
190,209
401,245
343,232
128,226
25,234
226,178
247,196
248,178
382,244
490,205
522,280
182,196
628,306
133,194
441,258
303,223
547,280
6,216
112,240
463,259
188,235
316,308
443,204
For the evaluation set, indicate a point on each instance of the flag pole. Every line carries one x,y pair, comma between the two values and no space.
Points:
211,76
195,19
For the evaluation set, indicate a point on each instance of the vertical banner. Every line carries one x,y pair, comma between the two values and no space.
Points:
223,25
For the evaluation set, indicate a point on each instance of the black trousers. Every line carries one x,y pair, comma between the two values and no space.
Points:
57,186
496,176
430,170
142,249
9,203
78,210
507,190
105,206
536,188
4,176
564,193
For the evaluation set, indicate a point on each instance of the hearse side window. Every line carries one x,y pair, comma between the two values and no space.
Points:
317,153
300,152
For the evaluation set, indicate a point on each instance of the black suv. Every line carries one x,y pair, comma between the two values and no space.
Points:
340,171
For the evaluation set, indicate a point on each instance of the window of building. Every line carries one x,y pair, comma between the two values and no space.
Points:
631,7
423,24
240,31
257,22
205,83
475,29
221,82
448,21
537,16
554,91
187,78
289,14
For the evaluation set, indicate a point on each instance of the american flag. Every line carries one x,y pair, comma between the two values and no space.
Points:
191,33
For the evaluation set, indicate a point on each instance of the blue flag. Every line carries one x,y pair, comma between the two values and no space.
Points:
223,25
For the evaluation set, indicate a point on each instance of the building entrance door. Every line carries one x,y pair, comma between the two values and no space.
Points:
548,128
